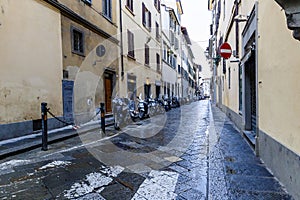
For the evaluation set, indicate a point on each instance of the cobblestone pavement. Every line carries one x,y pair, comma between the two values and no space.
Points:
192,152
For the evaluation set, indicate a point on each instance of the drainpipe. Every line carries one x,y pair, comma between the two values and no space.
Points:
121,40
256,85
236,28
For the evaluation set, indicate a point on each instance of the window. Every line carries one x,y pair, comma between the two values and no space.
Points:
157,30
146,18
77,37
146,54
176,43
165,52
157,62
240,88
88,2
106,8
229,78
129,5
131,86
130,44
200,68
157,5
172,38
179,69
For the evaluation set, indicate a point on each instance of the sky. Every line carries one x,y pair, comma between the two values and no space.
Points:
197,19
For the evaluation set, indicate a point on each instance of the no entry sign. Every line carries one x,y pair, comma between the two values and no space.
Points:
225,50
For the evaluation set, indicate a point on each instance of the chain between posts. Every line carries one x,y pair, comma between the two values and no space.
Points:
45,110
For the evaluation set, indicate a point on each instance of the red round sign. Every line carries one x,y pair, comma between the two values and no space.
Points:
225,50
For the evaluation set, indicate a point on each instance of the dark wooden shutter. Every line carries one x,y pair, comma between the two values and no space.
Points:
149,20
146,54
130,44
143,14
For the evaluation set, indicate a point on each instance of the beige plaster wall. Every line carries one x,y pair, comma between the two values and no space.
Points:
278,77
31,60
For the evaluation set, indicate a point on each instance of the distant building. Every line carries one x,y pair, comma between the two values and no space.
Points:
141,31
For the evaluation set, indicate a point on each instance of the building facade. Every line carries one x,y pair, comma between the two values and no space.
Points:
87,29
31,66
257,86
141,32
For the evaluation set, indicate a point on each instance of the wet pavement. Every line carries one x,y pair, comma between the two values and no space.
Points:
192,152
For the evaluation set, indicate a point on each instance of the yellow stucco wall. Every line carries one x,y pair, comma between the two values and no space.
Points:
278,72
31,60
93,14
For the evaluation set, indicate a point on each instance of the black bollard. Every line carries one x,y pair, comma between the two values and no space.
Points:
44,127
102,117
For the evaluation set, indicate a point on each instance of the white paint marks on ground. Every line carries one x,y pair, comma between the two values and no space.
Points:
55,164
94,182
112,171
160,185
7,167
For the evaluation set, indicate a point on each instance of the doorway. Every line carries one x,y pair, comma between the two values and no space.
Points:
250,94
108,85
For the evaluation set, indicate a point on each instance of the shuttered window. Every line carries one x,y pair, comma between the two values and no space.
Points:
129,5
146,54
106,8
130,44
146,17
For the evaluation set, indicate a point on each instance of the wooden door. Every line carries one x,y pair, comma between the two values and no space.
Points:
108,94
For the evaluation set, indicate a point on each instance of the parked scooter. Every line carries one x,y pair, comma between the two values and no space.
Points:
167,103
120,112
152,106
143,108
175,102
134,114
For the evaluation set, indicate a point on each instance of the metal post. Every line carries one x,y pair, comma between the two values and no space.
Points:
44,127
102,117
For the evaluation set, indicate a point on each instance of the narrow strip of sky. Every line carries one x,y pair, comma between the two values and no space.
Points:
197,19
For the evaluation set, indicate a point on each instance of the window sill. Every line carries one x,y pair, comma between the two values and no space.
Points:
131,57
147,65
147,28
107,18
78,53
131,11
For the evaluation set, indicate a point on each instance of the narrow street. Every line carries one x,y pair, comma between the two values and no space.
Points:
191,152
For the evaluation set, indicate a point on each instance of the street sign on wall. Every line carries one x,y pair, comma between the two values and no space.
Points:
225,50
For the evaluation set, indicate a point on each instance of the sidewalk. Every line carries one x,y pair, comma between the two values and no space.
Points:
234,170
21,144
